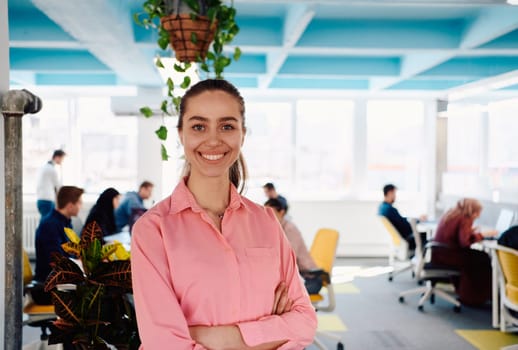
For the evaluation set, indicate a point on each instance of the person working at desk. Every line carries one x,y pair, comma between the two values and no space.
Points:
305,262
103,211
132,205
456,231
509,238
271,192
50,235
400,223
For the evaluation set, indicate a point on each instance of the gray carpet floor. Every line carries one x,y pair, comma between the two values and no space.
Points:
376,320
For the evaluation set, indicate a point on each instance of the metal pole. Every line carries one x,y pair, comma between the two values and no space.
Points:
14,104
13,232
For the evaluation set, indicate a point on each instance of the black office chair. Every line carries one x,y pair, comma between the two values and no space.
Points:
432,274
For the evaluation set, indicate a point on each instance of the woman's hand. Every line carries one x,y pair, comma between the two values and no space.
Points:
281,302
490,233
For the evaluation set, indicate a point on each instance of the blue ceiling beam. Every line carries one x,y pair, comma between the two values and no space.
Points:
244,82
258,31
351,66
32,25
418,84
318,83
249,64
508,41
474,67
54,60
76,79
382,34
490,24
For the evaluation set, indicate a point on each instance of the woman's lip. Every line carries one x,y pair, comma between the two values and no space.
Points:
212,156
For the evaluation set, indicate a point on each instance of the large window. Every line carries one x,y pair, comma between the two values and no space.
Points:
395,143
42,134
324,147
268,147
100,147
464,139
502,146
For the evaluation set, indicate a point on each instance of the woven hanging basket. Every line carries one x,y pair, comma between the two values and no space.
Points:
181,27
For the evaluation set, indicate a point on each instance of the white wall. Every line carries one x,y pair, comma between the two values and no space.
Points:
361,232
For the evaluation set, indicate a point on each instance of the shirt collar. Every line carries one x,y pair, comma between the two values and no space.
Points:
182,198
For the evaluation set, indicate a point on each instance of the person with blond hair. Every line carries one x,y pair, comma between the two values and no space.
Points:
456,231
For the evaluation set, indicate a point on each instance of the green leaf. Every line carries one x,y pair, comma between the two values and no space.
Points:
163,152
146,111
163,39
237,53
161,132
194,38
163,107
170,84
204,67
234,29
210,56
92,256
159,63
193,4
186,82
179,68
176,102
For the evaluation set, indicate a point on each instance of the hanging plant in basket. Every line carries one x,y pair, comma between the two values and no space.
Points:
197,31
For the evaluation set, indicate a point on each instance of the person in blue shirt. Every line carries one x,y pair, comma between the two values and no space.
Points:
271,193
400,223
509,238
50,235
132,205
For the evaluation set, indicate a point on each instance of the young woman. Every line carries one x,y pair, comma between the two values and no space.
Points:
456,230
103,211
211,269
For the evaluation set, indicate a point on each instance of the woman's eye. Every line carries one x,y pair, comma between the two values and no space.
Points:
198,127
228,127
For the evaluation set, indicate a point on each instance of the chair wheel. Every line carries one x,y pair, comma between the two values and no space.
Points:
456,309
432,299
420,308
413,274
401,299
339,346
390,278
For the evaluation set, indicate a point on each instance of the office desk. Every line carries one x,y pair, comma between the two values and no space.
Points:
490,247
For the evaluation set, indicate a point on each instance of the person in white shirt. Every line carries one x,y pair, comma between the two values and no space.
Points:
48,183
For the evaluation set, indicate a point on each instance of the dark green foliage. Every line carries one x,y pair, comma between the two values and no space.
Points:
94,305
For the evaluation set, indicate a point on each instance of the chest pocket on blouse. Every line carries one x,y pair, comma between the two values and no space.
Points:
264,266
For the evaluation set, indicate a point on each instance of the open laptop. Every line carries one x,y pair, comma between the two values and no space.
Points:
504,221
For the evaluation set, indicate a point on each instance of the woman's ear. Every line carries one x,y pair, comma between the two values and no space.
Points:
180,134
243,138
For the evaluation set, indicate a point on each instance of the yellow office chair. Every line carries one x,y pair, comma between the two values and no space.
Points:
508,263
35,315
399,255
323,252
